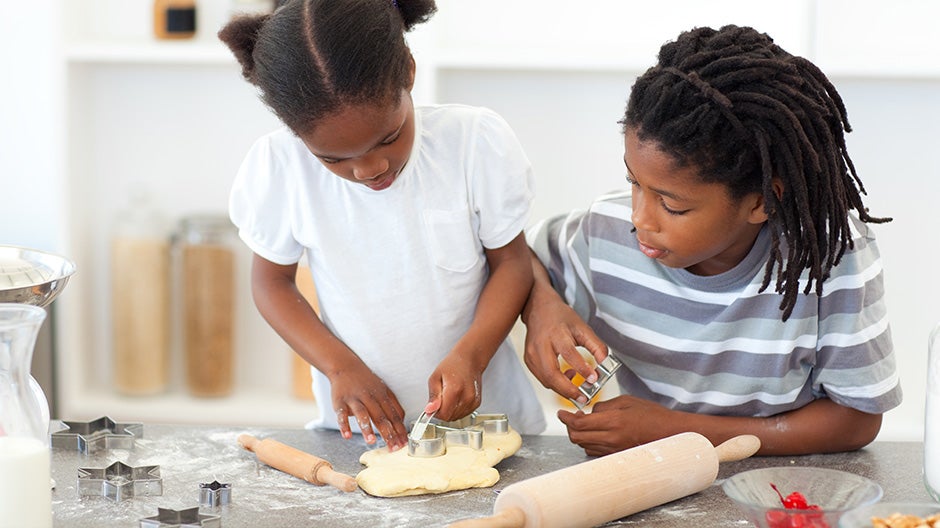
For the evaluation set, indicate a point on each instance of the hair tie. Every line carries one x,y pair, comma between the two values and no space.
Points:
395,3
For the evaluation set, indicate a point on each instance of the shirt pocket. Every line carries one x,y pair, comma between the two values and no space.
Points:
454,245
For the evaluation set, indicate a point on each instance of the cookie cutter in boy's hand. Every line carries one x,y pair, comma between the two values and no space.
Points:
605,370
467,432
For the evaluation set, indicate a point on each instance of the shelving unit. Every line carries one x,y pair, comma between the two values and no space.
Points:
177,118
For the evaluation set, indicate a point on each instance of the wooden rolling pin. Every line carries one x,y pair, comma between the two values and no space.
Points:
302,465
614,486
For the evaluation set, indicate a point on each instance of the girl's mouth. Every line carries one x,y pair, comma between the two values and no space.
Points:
382,182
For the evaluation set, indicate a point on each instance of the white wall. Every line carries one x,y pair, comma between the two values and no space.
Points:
559,71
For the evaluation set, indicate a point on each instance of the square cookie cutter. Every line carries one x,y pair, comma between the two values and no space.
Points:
430,438
120,481
605,370
187,518
103,433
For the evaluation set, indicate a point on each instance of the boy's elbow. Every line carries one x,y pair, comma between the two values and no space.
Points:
867,428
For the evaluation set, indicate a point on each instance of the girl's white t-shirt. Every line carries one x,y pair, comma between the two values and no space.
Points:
398,272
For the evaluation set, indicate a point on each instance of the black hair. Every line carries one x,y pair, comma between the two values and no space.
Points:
743,112
310,58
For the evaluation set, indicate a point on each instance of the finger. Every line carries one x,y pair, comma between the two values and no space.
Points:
586,337
575,358
365,423
342,419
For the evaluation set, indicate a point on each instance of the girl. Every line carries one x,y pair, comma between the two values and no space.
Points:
411,220
739,176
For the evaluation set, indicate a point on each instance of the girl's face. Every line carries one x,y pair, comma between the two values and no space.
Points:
682,221
366,144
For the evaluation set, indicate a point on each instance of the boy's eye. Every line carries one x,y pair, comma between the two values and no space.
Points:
391,140
630,180
329,161
671,211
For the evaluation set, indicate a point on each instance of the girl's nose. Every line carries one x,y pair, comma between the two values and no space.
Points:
369,167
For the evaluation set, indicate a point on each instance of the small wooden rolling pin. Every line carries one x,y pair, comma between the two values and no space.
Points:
302,465
614,486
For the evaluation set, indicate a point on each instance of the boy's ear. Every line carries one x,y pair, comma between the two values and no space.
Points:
759,213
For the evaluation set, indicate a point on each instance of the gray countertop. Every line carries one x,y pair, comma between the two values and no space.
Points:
264,497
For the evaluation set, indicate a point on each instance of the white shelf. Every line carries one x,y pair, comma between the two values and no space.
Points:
149,52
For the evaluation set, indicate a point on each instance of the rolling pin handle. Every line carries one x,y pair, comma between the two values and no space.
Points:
324,474
737,448
506,518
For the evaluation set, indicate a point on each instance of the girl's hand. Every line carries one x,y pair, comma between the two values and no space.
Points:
358,393
553,330
454,388
620,423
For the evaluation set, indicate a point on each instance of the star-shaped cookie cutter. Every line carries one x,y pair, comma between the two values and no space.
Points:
467,431
214,494
188,518
120,481
103,433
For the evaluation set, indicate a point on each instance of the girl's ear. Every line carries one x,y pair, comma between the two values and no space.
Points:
411,72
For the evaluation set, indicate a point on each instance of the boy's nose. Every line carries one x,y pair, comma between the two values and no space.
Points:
641,217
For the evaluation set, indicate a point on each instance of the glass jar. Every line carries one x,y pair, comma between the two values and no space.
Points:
140,299
207,288
25,458
932,417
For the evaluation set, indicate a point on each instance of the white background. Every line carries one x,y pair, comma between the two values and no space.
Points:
90,108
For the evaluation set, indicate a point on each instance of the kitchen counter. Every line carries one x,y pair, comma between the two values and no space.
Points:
262,497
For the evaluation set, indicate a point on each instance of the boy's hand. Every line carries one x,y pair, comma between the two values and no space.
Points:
553,330
619,423
358,393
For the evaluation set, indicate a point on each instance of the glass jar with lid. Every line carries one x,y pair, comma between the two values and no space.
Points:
207,255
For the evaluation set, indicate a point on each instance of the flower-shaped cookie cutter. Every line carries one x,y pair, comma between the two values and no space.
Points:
467,432
120,481
188,518
103,433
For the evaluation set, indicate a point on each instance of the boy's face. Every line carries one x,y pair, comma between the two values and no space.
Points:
680,220
366,144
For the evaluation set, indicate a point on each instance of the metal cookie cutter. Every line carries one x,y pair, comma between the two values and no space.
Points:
215,494
605,369
103,433
466,432
120,481
188,518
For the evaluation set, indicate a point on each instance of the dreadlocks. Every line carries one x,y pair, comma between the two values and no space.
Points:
744,112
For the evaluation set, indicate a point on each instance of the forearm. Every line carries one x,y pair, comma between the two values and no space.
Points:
542,291
290,315
500,302
822,426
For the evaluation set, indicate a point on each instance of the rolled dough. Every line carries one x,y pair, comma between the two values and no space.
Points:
397,474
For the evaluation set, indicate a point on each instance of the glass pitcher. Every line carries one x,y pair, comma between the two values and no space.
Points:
25,469
932,417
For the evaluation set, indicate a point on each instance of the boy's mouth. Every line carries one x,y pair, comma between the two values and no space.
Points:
651,252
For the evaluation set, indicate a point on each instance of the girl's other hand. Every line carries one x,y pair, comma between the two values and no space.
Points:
454,388
359,394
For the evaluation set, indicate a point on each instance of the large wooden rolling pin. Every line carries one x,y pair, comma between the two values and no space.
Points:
615,485
302,465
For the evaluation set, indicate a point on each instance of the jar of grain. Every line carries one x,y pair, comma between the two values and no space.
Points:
207,288
140,298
